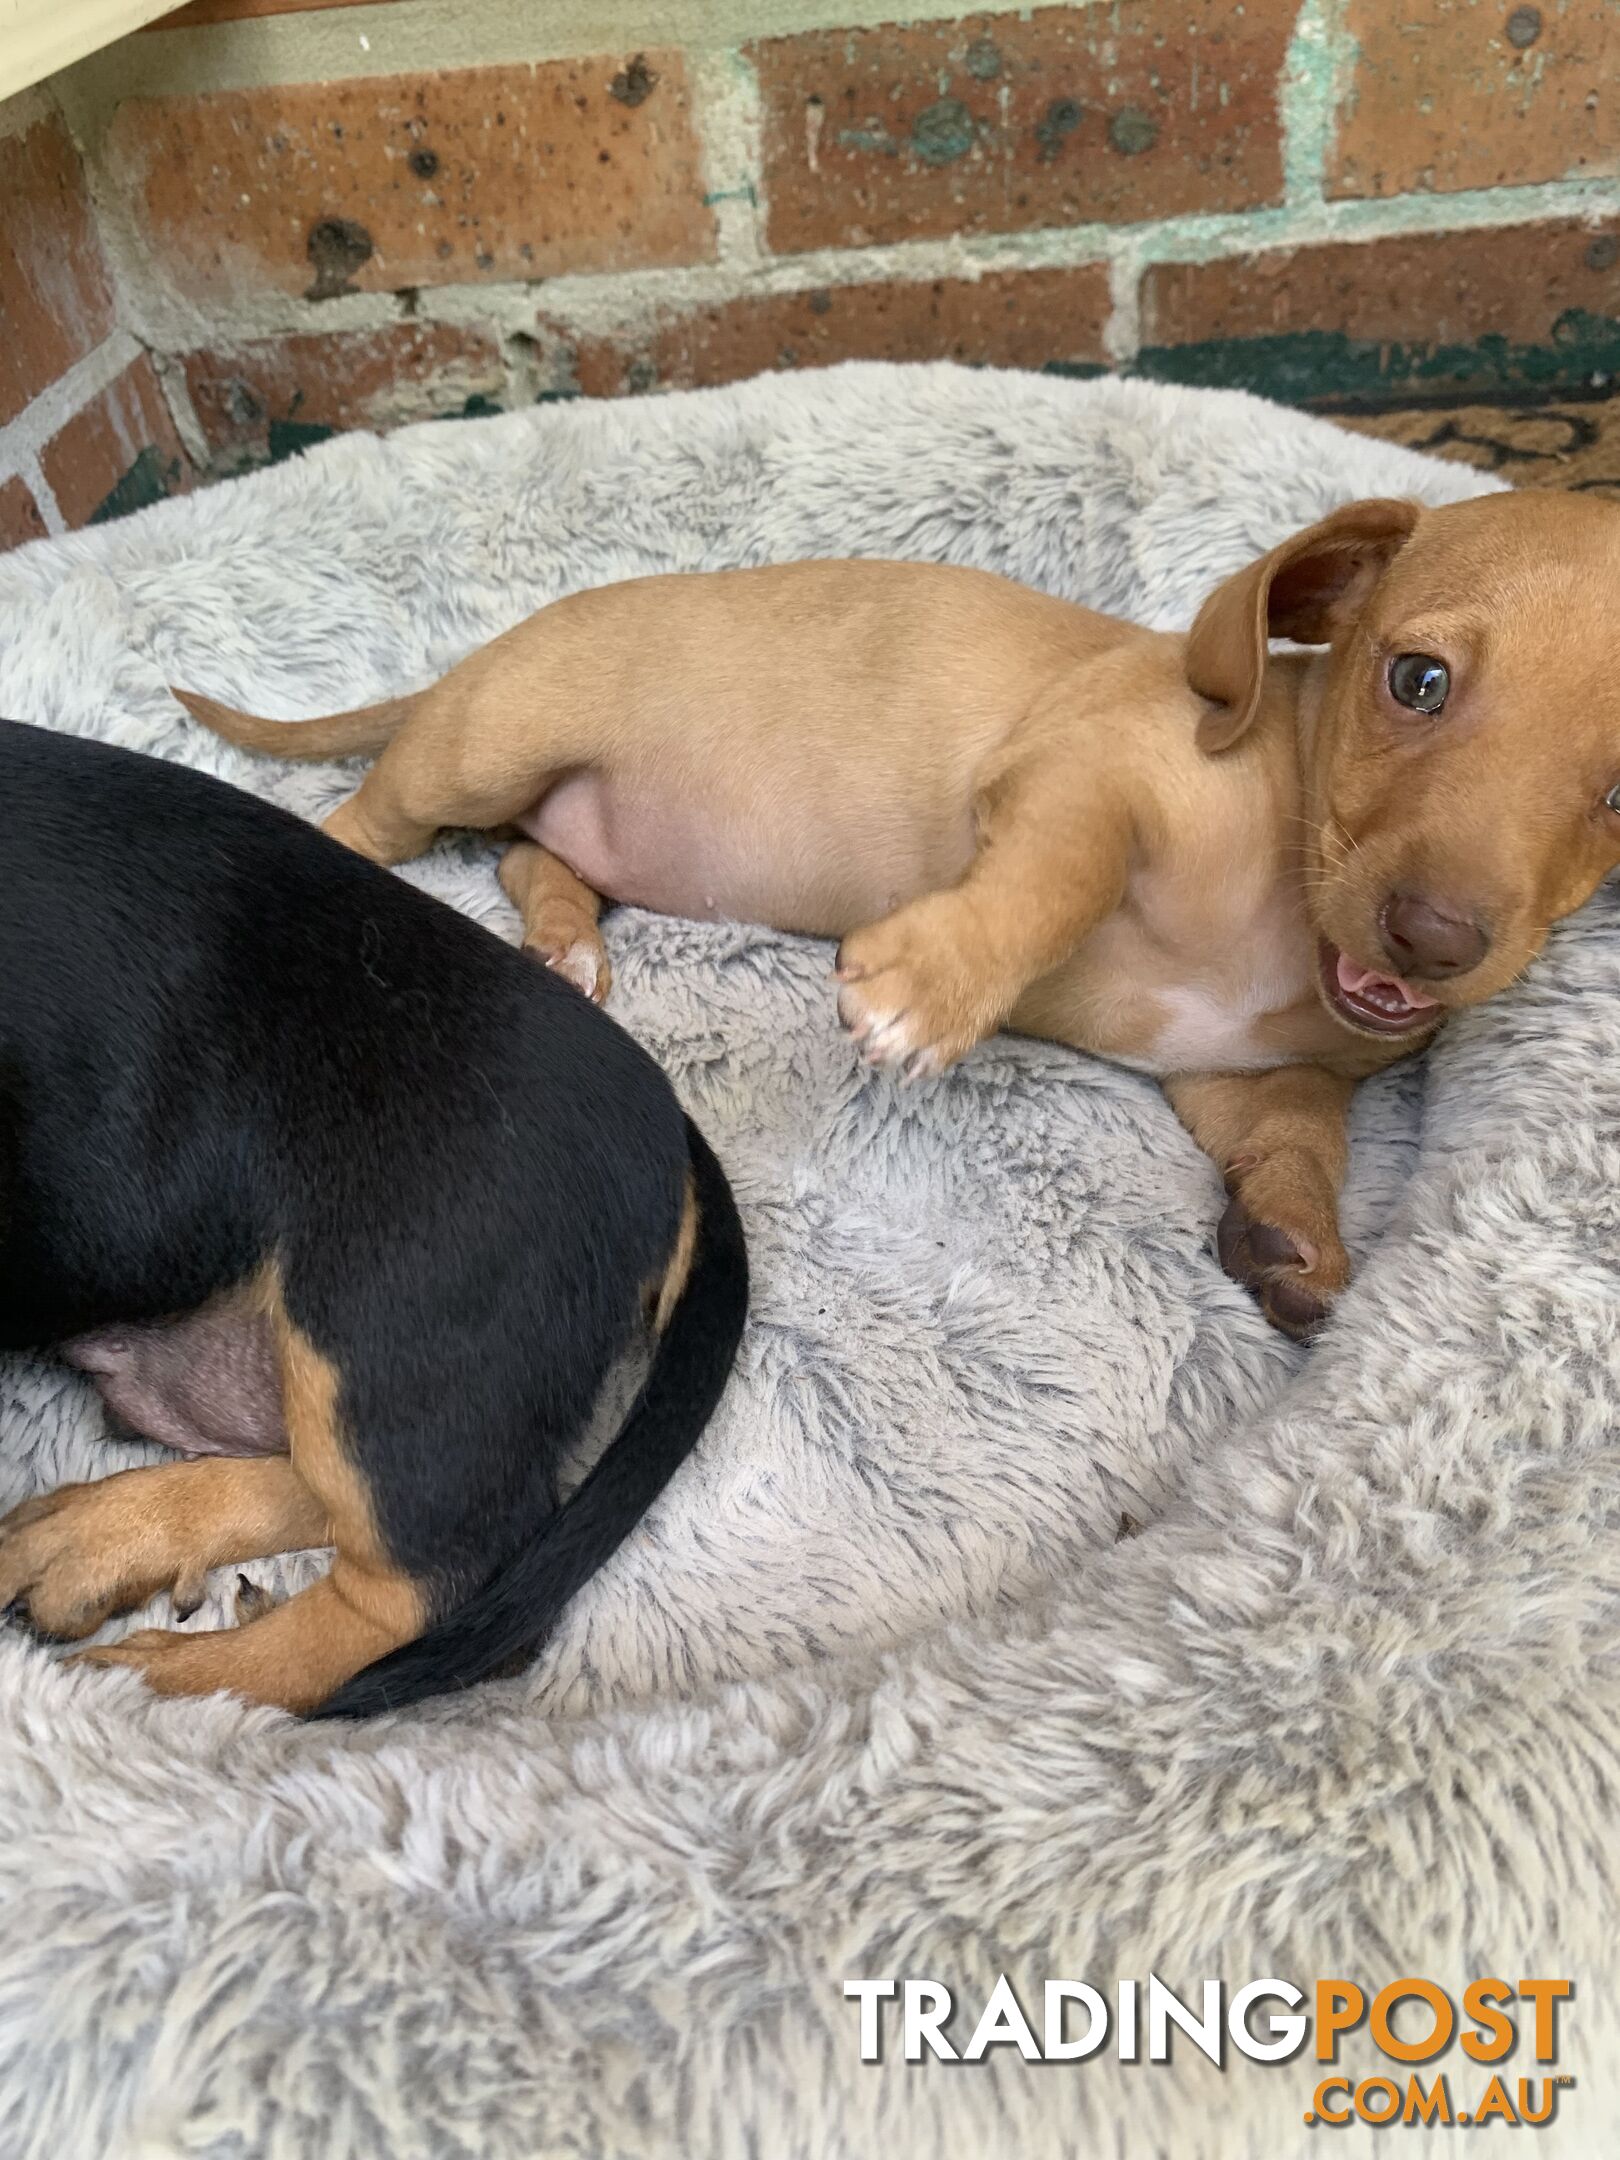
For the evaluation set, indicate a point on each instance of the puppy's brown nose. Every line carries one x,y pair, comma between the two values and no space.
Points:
1428,940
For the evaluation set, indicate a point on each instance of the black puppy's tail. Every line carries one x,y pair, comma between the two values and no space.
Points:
517,1609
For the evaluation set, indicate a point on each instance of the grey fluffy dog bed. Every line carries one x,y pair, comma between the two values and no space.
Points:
880,1689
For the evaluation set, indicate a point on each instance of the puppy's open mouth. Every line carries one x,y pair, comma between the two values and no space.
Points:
1377,1004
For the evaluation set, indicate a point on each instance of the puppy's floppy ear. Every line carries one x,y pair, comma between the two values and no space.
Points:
1307,590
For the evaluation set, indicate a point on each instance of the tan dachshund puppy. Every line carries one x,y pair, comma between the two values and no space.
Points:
1260,877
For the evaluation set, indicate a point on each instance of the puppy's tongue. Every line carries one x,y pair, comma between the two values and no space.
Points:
1385,993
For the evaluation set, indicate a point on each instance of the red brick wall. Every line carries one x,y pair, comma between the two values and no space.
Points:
1341,202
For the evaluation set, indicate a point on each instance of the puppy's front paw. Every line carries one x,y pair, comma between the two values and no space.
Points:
1279,1238
909,997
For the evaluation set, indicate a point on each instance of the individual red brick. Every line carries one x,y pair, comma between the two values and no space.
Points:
19,514
434,179
117,453
1139,109
54,302
376,378
1477,93
1015,318
1431,289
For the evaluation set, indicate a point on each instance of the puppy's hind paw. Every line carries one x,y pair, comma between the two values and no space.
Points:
253,1601
65,1562
582,961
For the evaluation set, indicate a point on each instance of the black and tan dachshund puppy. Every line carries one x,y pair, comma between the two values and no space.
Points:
344,1198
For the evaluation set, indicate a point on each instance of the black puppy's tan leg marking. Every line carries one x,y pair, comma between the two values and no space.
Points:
665,1291
295,1655
560,914
78,1555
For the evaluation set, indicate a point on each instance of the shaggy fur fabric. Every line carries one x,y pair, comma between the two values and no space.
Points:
881,1689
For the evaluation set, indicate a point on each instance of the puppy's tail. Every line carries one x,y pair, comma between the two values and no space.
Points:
514,1612
346,734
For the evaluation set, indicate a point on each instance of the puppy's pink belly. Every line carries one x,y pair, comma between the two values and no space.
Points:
207,1384
682,857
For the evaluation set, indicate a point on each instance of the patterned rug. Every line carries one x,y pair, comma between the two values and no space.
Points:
1565,442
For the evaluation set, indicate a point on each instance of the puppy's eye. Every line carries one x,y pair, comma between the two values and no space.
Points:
1420,681
1611,801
